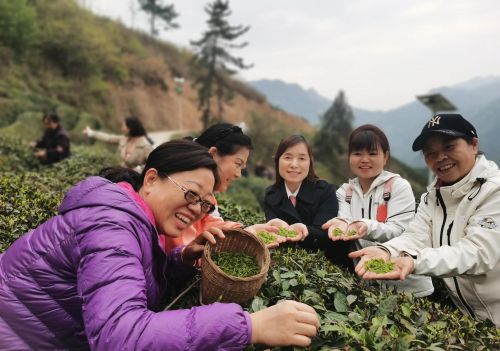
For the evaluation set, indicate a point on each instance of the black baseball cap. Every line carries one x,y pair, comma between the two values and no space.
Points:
451,124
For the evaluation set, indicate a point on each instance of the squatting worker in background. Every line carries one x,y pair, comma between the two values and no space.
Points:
455,234
93,276
55,144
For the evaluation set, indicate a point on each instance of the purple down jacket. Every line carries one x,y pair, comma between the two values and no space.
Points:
92,278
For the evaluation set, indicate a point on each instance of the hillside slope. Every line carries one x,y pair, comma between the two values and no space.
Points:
94,71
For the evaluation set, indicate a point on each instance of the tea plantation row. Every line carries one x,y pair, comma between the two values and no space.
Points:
354,315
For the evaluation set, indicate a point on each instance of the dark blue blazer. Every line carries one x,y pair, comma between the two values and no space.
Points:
316,204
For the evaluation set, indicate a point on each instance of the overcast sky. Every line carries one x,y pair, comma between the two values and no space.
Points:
381,53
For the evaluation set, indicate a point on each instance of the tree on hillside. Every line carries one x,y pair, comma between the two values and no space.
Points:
330,143
215,60
18,25
155,9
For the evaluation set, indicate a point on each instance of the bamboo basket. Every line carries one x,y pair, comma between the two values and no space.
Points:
218,286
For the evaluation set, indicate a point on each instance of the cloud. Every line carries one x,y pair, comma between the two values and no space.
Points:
382,53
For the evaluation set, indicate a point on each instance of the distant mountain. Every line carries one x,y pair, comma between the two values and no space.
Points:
477,99
293,98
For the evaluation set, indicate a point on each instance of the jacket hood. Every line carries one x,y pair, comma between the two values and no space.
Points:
482,169
98,191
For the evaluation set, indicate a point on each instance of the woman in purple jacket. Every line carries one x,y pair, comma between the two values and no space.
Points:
92,276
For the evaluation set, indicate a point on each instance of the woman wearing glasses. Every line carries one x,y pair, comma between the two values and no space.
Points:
92,277
230,148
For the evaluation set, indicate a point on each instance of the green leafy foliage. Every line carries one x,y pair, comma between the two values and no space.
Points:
250,192
30,193
155,9
237,213
332,138
354,315
357,316
18,25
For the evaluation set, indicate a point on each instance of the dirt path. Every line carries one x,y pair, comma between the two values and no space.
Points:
166,135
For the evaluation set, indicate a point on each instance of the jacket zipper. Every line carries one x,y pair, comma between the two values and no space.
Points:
448,234
370,207
441,202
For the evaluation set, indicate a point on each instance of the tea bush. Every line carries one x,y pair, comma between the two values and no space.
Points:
30,193
354,315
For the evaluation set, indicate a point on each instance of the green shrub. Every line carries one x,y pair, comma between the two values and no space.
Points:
15,155
357,316
18,24
30,193
248,192
24,204
231,211
354,315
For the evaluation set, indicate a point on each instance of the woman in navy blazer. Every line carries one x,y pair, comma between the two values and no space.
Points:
299,196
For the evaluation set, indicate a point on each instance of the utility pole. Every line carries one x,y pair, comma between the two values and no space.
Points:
179,82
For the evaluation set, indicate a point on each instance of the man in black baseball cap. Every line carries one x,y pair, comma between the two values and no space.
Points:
451,124
455,233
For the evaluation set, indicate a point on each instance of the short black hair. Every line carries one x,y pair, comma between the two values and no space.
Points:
51,116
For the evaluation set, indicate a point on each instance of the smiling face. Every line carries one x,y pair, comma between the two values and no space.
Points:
294,164
229,166
450,159
367,165
166,200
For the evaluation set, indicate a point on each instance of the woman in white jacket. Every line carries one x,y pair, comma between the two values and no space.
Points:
455,233
134,146
376,204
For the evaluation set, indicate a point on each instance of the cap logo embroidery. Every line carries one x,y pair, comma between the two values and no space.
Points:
434,121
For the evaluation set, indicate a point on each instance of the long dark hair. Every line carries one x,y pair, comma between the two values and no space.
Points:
284,145
369,137
136,129
168,158
226,137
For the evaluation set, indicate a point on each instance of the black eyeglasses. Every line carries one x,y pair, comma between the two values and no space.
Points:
193,198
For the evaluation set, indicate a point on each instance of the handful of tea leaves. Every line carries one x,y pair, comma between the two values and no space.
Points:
379,265
287,233
266,237
337,232
236,264
352,232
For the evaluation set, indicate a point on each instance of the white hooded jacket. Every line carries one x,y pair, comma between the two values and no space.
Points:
455,236
400,211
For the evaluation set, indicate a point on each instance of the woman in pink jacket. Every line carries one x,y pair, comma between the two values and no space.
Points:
230,148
